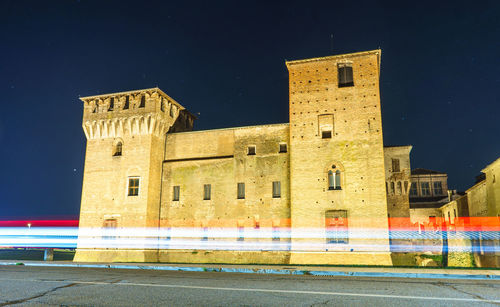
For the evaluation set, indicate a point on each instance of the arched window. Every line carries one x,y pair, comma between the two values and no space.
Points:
118,149
334,180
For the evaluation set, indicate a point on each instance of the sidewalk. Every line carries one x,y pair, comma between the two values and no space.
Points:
439,273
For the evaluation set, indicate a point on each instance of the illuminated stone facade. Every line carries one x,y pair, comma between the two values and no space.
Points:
312,191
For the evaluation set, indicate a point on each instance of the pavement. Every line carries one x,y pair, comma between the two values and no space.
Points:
396,272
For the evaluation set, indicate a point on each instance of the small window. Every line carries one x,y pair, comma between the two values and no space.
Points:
251,150
118,149
276,233
283,148
127,103
438,188
345,75
143,101
111,104
395,165
241,233
413,189
336,227
334,180
392,188
177,192
424,186
133,186
400,188
276,189
241,190
162,105
207,190
326,134
406,187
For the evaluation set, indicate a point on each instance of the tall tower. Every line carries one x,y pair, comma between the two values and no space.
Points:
337,175
121,185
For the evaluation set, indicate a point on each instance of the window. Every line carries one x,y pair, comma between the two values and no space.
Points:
325,125
143,102
334,180
406,187
241,190
111,104
251,150
276,233
400,189
127,103
171,111
336,227
109,226
241,233
133,186
345,75
118,149
162,105
424,186
283,148
395,165
392,188
207,191
177,193
438,188
413,189
276,189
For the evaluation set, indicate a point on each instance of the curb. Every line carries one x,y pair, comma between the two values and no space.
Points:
264,271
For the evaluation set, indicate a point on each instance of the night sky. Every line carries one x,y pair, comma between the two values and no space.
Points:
440,77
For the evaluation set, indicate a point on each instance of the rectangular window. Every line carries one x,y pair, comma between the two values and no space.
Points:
345,75
400,188
143,102
283,148
336,227
424,186
395,165
241,190
392,188
251,150
111,104
207,191
276,189
241,233
127,102
413,189
325,125
276,233
438,188
133,186
177,192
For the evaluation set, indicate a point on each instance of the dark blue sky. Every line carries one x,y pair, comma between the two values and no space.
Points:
440,76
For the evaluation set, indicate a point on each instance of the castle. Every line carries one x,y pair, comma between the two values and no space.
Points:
311,191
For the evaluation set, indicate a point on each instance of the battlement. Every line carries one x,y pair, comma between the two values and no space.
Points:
133,112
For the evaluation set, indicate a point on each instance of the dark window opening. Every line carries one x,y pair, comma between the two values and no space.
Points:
207,191
127,103
111,104
276,189
177,192
143,102
251,150
283,148
395,166
241,190
345,75
118,149
326,134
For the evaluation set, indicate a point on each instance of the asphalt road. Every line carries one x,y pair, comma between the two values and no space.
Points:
52,286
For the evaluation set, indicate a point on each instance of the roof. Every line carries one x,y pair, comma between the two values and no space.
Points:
423,171
338,56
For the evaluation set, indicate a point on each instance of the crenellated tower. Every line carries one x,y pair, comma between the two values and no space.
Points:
122,179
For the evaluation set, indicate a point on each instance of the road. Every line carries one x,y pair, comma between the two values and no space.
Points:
56,286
